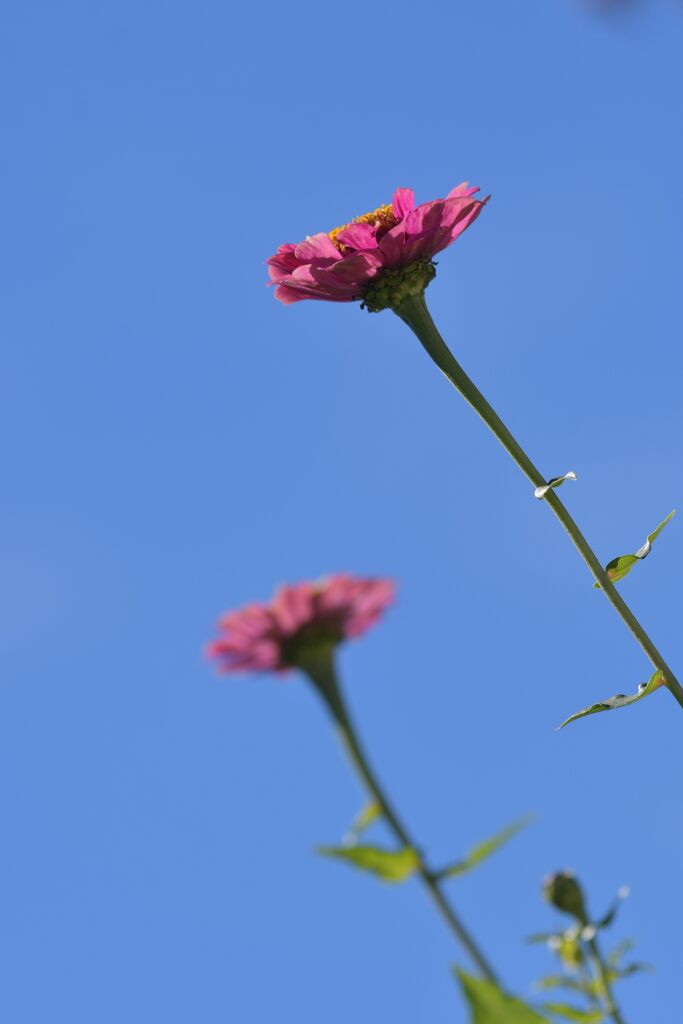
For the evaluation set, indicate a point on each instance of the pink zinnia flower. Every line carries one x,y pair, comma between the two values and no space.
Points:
340,265
300,618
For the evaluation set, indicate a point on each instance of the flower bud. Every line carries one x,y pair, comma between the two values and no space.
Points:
564,892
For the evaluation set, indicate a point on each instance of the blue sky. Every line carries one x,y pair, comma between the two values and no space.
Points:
177,443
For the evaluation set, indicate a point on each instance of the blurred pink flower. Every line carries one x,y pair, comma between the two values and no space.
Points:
338,266
301,617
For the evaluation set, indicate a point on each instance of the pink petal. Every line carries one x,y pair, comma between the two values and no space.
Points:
433,226
303,276
426,217
403,202
406,242
292,607
354,267
336,592
351,275
458,223
391,245
282,263
369,604
305,279
288,295
317,247
358,236
462,190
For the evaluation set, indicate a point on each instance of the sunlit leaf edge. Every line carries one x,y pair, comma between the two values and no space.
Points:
619,700
621,566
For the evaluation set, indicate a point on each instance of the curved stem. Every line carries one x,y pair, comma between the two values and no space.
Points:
413,311
321,672
611,1008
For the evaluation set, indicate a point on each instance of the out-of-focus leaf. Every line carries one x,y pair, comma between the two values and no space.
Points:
574,1013
621,566
543,937
490,1005
483,850
554,981
363,820
619,951
569,950
611,914
566,945
636,968
620,700
556,481
389,865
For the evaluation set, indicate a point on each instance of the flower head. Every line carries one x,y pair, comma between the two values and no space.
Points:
300,619
346,263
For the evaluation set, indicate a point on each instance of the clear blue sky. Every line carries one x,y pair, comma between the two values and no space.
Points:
176,443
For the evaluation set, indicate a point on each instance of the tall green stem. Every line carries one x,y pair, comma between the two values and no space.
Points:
413,311
321,671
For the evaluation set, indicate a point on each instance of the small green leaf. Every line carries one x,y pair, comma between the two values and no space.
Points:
611,914
620,700
618,568
389,865
490,1005
371,812
481,851
553,981
621,566
655,533
570,950
619,951
574,1013
556,481
635,968
542,937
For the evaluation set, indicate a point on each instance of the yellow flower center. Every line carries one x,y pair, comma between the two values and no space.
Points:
381,218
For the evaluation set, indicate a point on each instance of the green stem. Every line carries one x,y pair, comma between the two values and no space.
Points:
611,1008
413,311
321,671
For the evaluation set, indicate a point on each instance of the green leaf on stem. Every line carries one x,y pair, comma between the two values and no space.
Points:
621,566
620,700
363,820
490,1005
556,481
574,1013
389,865
611,914
538,937
635,968
554,981
619,951
481,851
